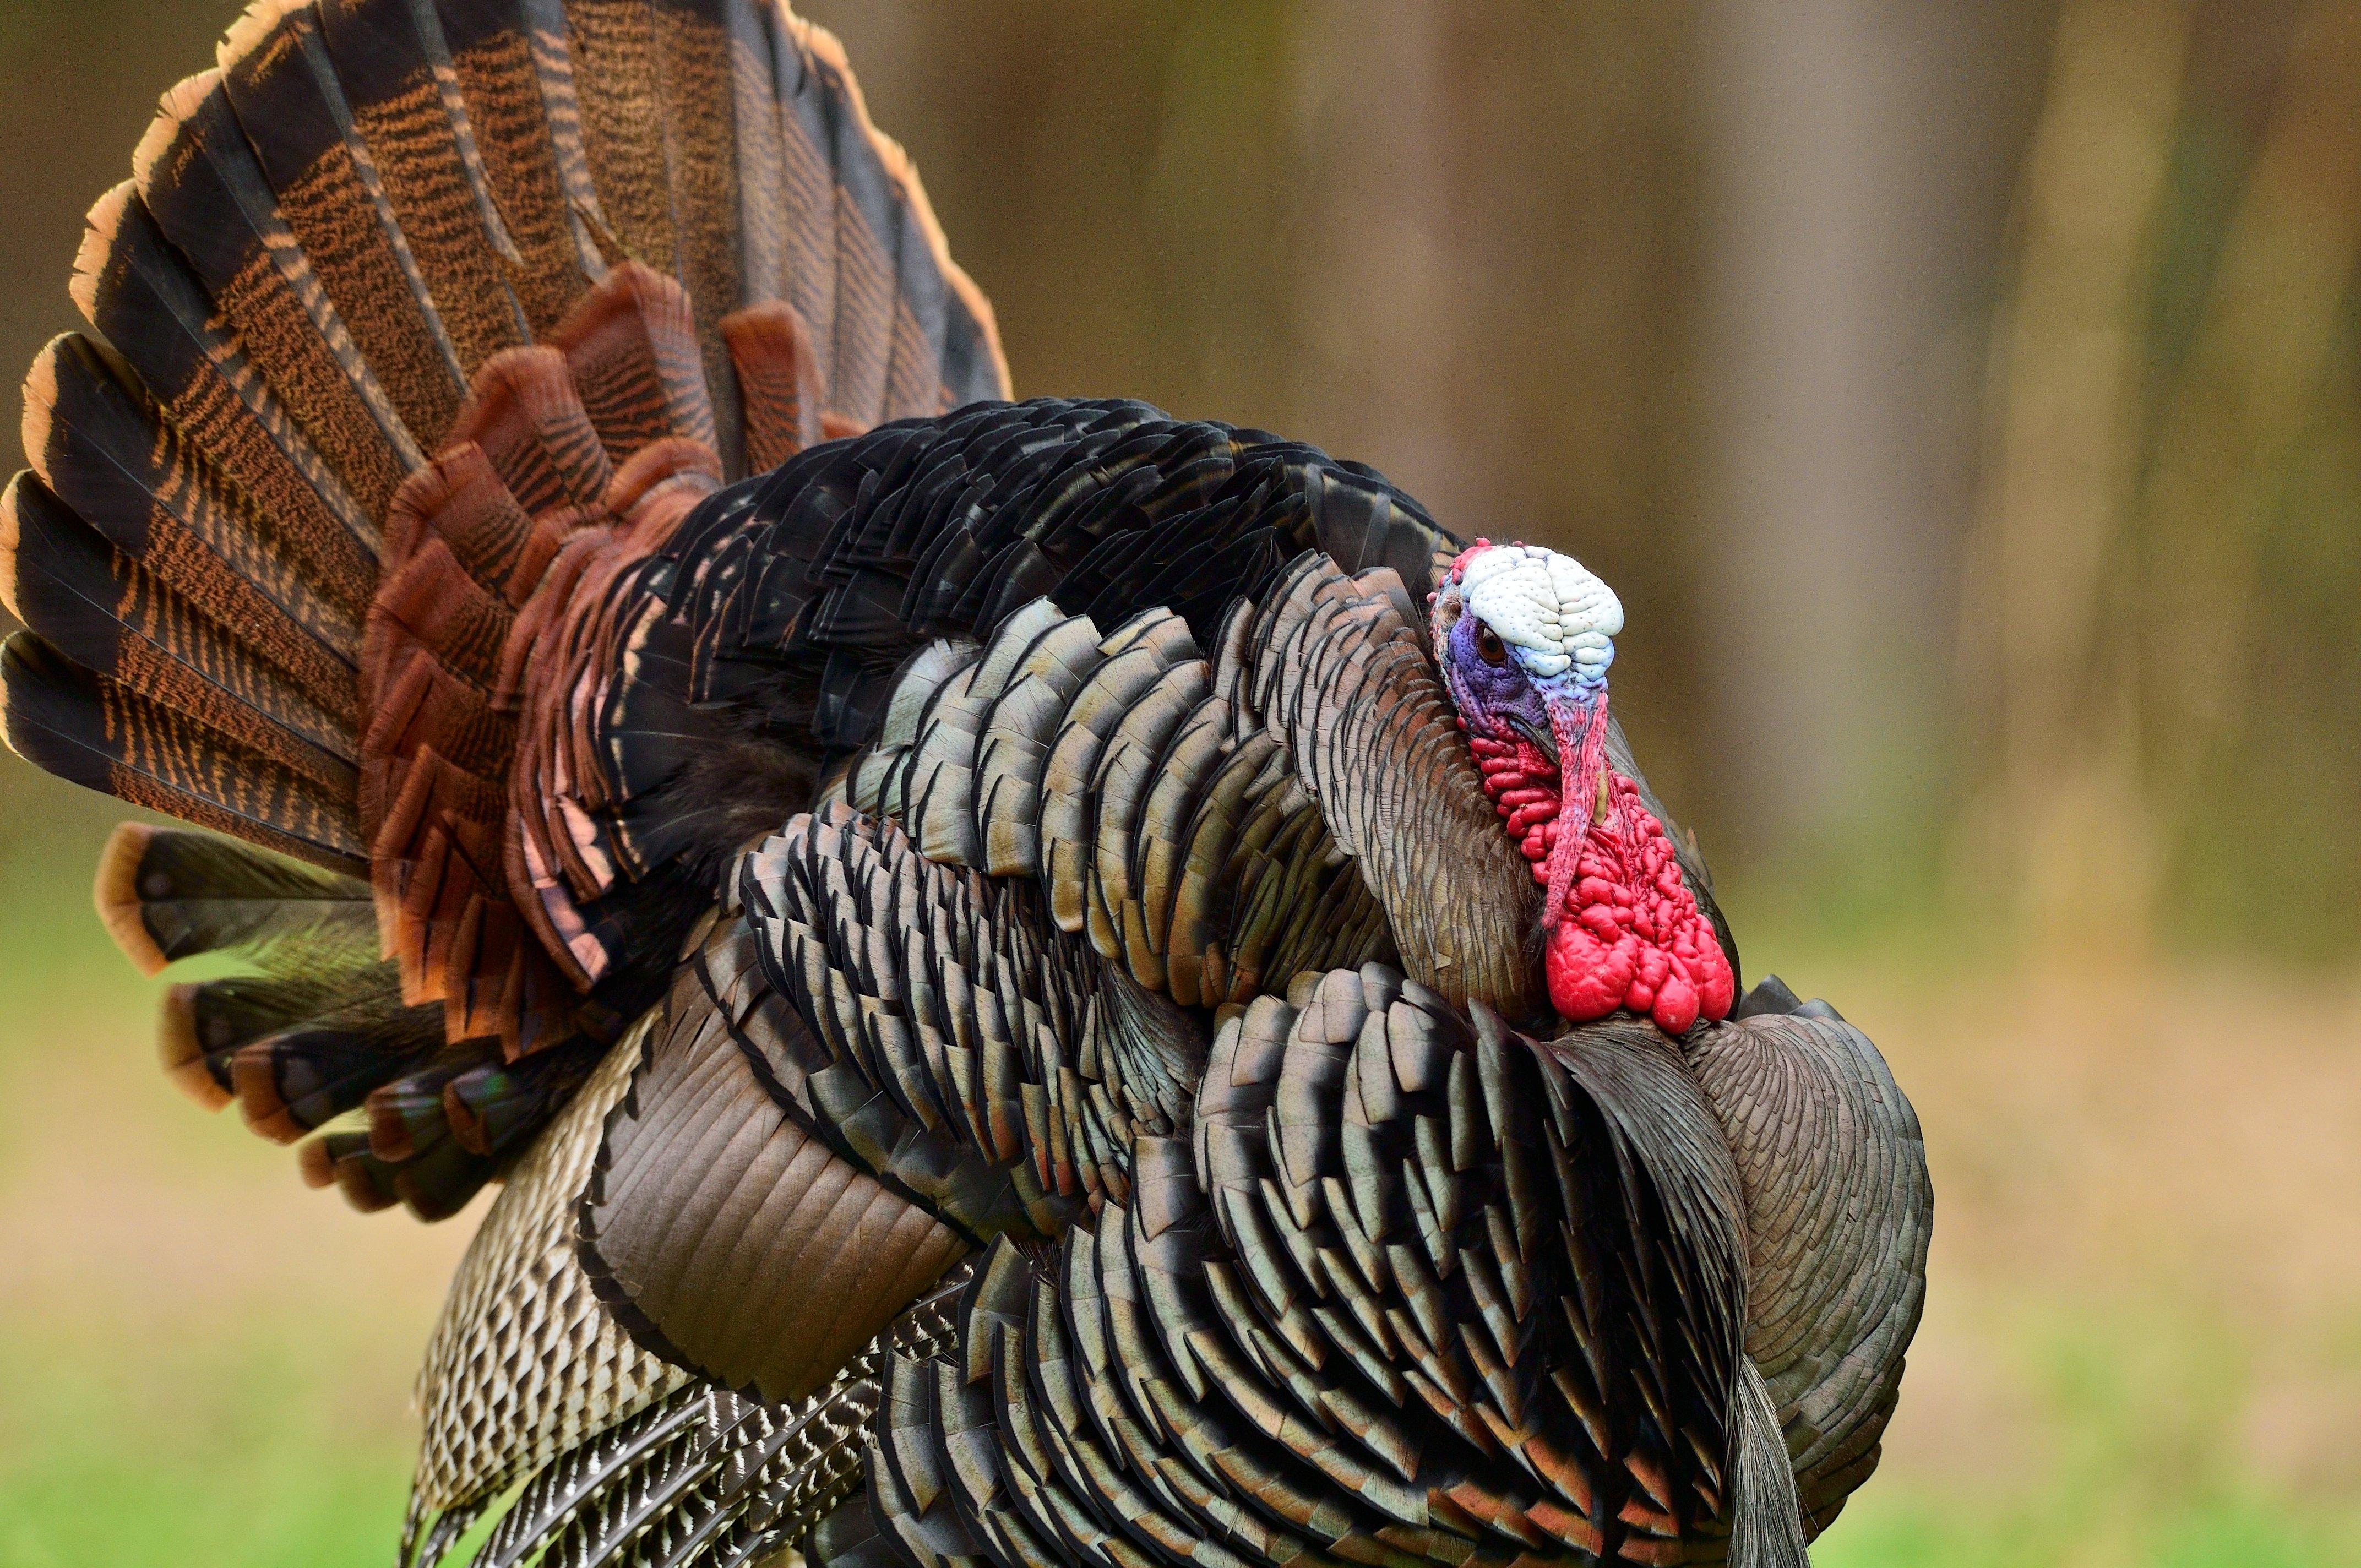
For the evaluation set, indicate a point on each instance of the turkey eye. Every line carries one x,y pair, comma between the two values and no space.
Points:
1488,646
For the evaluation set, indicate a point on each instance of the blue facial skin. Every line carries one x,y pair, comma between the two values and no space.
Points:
1502,700
1491,696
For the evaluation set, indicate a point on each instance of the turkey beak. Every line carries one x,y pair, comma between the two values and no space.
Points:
1578,723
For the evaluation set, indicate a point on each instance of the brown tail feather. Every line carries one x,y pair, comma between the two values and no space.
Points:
138,291
530,424
515,108
385,66
670,180
198,178
436,318
103,734
282,87
107,612
100,446
460,500
630,348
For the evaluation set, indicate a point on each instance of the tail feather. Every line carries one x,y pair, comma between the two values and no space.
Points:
424,705
199,180
427,321
107,612
433,1183
316,1038
432,604
513,83
103,735
291,1084
527,421
778,380
612,50
167,894
98,443
291,1054
670,180
135,288
286,98
384,63
631,348
492,1105
884,232
316,1025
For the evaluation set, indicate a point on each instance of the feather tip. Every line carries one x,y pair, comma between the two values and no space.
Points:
115,892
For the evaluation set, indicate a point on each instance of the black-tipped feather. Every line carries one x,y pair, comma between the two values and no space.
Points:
102,735
108,613
384,55
201,181
103,448
138,290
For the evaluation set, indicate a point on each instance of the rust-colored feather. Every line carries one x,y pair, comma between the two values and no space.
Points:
526,416
779,380
631,348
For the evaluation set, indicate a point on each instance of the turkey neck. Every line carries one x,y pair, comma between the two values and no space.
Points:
1623,927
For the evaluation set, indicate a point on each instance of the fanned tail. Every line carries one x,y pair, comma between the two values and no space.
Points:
420,326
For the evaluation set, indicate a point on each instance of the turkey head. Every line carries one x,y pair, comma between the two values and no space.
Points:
1524,636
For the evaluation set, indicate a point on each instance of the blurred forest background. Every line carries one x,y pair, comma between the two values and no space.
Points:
1963,397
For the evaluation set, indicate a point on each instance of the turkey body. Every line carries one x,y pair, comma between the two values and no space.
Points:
969,934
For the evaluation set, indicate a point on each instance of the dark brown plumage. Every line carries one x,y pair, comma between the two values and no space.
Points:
1393,1299
969,932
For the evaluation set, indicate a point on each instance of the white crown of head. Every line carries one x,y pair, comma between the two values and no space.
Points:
1548,606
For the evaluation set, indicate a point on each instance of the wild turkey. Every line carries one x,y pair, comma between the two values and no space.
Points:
1025,970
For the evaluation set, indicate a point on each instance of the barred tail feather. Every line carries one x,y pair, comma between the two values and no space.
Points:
106,612
103,735
312,1039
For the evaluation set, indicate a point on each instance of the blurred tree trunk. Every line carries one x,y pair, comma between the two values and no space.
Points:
1380,268
1860,155
2065,827
2250,392
2177,341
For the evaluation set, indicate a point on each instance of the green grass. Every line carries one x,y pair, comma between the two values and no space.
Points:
2130,1457
1900,1528
230,1453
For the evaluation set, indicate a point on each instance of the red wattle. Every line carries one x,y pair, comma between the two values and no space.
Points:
1523,787
1630,934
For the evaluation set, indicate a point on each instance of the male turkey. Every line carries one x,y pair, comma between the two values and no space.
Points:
1043,983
